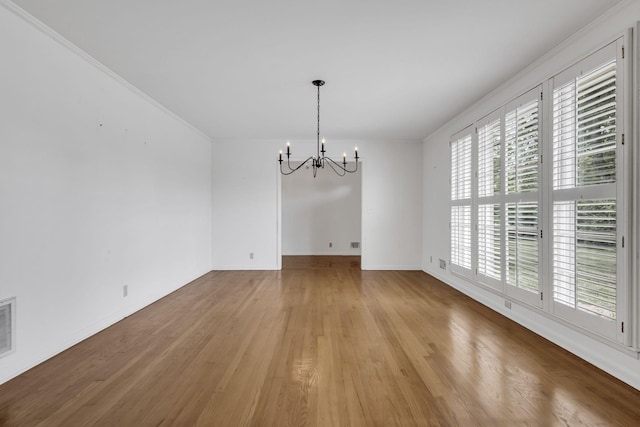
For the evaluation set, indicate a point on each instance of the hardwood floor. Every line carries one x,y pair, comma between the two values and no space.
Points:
316,346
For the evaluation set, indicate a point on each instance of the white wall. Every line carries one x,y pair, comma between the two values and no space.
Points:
620,363
321,210
246,187
99,188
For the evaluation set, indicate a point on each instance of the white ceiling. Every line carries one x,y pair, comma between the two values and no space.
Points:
243,68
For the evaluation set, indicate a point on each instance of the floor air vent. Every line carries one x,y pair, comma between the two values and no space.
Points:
7,326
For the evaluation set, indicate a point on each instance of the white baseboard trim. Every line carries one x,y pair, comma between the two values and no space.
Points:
91,329
337,253
392,267
265,267
611,360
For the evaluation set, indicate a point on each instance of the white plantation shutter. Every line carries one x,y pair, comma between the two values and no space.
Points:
461,203
564,252
521,139
584,182
461,168
522,246
489,152
522,197
584,131
564,137
461,236
596,125
489,208
489,241
596,257
551,234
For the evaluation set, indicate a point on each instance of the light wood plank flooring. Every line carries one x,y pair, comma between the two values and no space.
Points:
319,343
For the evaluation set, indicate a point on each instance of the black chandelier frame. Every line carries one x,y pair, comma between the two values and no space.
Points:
319,160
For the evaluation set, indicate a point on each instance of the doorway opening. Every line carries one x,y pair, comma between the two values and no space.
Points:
320,219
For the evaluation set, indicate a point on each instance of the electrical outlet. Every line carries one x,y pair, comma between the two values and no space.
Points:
125,291
507,304
443,264
431,259
250,255
330,244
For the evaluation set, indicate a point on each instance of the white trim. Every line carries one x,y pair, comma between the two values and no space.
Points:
595,351
392,267
278,217
49,32
336,253
634,188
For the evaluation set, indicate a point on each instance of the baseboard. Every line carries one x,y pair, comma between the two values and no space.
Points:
392,267
263,267
337,253
93,328
616,362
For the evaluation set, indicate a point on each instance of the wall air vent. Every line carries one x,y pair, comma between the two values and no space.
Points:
7,326
355,245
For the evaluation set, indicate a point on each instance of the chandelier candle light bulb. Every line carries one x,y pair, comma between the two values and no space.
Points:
319,160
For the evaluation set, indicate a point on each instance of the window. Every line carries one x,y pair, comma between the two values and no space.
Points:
587,158
503,194
461,203
522,177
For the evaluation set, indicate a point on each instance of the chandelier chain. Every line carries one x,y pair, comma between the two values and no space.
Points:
318,133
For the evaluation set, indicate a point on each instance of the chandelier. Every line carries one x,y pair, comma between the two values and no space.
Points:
319,160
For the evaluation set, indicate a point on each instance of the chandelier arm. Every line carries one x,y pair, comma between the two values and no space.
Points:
291,170
289,163
331,161
340,171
